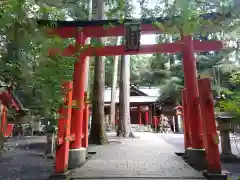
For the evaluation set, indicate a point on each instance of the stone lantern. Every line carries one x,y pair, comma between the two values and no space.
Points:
224,121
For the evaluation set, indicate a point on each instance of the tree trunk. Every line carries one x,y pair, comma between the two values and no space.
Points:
89,7
172,62
124,127
114,88
172,58
97,132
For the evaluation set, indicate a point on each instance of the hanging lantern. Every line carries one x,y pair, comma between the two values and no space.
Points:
179,110
132,36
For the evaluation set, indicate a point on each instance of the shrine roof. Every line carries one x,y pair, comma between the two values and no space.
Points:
139,99
150,91
9,97
148,94
85,23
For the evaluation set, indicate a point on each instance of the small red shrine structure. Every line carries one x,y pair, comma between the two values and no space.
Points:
8,100
81,30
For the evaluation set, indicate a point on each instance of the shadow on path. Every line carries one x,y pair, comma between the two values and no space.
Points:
24,162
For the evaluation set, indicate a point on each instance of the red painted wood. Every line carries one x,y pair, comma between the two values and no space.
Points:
209,125
203,46
191,84
98,31
64,130
78,95
9,131
9,100
3,119
155,122
146,118
139,116
187,138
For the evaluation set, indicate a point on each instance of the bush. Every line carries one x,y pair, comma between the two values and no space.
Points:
232,104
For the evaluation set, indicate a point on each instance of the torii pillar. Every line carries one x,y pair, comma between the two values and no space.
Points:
196,153
77,153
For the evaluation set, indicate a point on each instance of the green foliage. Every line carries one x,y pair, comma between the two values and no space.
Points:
48,80
236,78
24,56
172,89
232,104
38,78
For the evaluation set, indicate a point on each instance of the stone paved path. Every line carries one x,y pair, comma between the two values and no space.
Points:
146,157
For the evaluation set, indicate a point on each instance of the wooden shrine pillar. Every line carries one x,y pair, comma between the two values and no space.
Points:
187,138
191,84
64,138
211,138
147,117
77,154
139,116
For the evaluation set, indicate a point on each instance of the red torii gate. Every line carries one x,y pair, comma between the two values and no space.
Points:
79,121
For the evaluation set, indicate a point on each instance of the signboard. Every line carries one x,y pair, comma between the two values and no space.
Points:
132,37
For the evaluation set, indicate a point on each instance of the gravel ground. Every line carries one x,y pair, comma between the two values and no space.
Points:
25,161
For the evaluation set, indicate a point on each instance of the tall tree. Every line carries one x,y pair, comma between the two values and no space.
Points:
114,88
89,7
97,132
124,127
